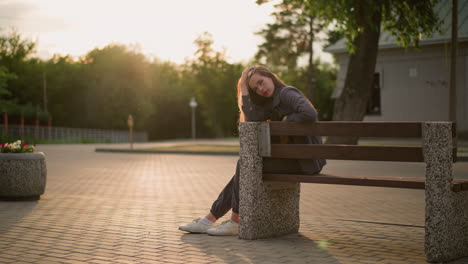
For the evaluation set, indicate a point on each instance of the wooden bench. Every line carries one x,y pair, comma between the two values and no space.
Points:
269,203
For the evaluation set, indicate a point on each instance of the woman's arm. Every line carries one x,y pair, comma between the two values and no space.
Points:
301,110
243,81
253,112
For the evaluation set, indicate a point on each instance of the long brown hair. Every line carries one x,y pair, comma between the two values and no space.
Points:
254,97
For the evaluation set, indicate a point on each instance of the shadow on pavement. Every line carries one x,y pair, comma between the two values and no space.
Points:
14,212
294,248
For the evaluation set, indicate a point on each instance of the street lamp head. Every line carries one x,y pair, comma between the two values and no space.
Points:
193,103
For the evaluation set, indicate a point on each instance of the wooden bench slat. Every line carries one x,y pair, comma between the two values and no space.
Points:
347,152
348,128
460,185
397,182
392,182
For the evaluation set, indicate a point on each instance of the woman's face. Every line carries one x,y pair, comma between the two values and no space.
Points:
262,85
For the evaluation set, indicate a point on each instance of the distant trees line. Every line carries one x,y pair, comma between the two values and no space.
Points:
100,89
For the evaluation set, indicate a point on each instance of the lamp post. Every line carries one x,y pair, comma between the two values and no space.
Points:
193,104
130,127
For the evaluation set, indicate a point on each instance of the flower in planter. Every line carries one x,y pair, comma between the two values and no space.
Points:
16,147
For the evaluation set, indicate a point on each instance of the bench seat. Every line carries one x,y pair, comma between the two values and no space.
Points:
269,203
392,182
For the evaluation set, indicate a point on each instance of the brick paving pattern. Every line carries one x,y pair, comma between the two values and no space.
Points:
126,208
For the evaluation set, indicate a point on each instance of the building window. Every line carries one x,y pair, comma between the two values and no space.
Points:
373,108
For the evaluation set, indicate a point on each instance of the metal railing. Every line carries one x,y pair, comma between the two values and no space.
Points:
76,135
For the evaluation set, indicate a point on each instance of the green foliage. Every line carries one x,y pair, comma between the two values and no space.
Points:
13,52
324,82
66,89
14,49
5,76
405,19
289,37
333,36
409,20
214,83
170,95
18,88
121,76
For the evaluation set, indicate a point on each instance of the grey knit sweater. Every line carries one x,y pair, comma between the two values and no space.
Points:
290,102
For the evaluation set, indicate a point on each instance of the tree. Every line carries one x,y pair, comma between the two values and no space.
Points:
289,38
170,94
5,76
118,85
324,82
66,90
14,51
18,89
361,21
214,85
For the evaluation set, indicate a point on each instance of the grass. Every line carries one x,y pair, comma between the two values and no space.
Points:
198,148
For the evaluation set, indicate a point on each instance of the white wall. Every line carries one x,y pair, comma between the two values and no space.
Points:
415,85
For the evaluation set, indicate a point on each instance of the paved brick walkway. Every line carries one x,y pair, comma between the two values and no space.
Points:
125,208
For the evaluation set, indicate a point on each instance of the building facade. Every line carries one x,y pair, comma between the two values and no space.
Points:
413,85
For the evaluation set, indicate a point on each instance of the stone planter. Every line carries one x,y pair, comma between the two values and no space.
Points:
22,176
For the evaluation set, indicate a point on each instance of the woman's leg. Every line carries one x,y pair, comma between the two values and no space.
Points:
269,165
228,198
231,192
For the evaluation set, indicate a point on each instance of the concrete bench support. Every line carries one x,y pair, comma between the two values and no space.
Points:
267,209
446,211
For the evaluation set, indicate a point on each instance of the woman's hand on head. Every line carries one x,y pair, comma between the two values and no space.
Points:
243,80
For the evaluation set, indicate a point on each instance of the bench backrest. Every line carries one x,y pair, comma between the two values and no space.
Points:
346,152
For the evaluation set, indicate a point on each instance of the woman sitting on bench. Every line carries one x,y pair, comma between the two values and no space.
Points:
261,96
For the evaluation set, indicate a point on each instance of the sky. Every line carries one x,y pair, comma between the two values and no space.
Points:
165,29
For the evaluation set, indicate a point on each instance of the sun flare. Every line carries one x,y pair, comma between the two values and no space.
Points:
164,29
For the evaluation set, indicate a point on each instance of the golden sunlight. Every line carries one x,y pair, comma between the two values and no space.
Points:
164,29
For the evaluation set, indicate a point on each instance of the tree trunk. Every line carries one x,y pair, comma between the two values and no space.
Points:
352,103
453,64
310,70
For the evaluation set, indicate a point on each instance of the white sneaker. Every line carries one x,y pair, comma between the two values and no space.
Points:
197,226
227,228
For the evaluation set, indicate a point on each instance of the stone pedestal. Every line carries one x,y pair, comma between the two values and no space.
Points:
22,176
267,209
446,211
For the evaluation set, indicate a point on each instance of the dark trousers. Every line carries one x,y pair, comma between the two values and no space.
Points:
229,197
